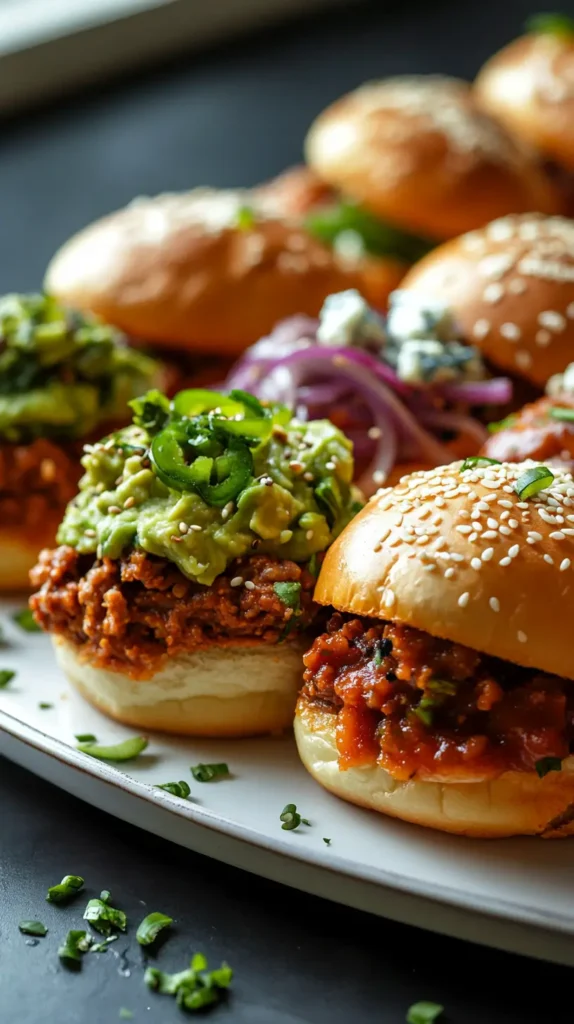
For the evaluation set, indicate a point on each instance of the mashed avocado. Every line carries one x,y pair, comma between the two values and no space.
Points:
61,373
207,478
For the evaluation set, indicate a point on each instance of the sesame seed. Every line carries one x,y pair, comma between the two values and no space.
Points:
236,581
456,557
513,551
534,536
505,561
522,636
227,510
494,604
195,527
430,567
464,599
473,536
389,597
523,359
510,331
113,510
565,564
522,504
249,585
378,476
48,470
309,535
481,328
183,528
505,530
483,506
374,433
89,533
570,310
487,554
449,573
543,338
331,465
463,529
129,502
504,515
475,563
552,320
493,293
439,500
490,535
546,516
557,535
308,477
504,503
492,523
549,559
285,536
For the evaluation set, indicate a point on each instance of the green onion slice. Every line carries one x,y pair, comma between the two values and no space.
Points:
208,772
551,24
75,943
33,928
175,788
26,621
44,705
6,676
478,462
125,751
424,1012
85,737
532,481
290,817
151,926
326,841
65,890
558,412
548,764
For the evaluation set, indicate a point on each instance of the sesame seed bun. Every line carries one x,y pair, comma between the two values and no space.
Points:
182,270
382,567
529,87
233,689
516,803
459,555
511,289
418,152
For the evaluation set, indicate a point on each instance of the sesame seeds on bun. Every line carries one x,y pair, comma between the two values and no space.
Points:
511,288
529,87
206,270
457,553
416,150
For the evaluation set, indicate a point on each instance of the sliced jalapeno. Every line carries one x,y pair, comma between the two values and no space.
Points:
195,401
230,471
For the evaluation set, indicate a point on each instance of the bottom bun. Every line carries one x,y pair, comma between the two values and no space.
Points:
19,553
236,689
516,803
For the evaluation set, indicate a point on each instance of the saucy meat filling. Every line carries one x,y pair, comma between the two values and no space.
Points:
37,481
134,613
535,433
421,706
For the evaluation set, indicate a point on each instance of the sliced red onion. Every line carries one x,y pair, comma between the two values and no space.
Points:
497,391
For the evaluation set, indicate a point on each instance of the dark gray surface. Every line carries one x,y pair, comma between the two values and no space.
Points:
233,117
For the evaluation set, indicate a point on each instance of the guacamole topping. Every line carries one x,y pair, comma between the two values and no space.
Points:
207,478
62,373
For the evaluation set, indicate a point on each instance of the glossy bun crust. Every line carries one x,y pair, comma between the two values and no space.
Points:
516,803
418,152
234,689
186,271
19,552
529,87
511,288
510,590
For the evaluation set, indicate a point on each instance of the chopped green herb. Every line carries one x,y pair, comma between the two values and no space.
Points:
558,412
378,659
443,686
175,788
101,947
75,943
548,764
533,481
424,1013
104,918
125,751
208,772
194,988
478,462
33,928
551,24
151,926
508,421
151,411
85,737
245,218
289,594
6,676
125,1014
291,818
313,565
26,621
65,890
105,895
326,841
424,710
332,223
44,705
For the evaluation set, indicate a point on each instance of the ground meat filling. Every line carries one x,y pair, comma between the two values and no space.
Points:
131,615
419,706
533,433
37,481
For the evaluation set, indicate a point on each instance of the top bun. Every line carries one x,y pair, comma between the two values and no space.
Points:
458,554
511,289
418,152
529,87
205,270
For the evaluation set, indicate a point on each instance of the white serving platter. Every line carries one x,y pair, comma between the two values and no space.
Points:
514,894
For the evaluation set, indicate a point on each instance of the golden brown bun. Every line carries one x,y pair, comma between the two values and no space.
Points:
511,288
294,193
529,87
516,803
520,610
180,270
19,549
229,690
418,152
